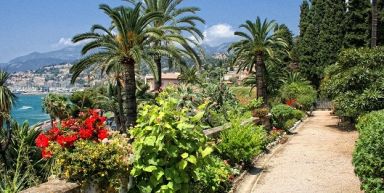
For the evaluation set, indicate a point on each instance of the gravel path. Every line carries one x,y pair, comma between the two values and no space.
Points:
317,159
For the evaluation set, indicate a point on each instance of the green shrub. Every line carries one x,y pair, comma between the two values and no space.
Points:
368,157
281,114
302,92
289,123
212,176
241,143
355,82
171,150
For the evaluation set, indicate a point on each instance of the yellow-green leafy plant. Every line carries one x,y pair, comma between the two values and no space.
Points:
171,150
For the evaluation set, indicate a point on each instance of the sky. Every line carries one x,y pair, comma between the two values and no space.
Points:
44,25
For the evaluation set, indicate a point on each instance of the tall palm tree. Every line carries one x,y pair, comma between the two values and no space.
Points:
127,44
374,24
7,98
174,22
259,42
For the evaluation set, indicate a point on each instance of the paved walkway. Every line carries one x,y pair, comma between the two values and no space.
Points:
315,160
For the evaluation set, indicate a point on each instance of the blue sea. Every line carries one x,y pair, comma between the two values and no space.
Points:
28,108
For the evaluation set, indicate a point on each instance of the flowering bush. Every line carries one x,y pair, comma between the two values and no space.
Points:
85,151
89,126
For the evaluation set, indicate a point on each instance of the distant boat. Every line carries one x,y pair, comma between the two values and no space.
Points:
25,108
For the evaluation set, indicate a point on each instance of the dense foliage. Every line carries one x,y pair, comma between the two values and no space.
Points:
284,116
241,143
368,157
171,150
355,82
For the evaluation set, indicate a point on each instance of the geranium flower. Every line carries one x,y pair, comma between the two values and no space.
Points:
66,141
46,154
42,141
89,122
85,133
54,132
103,133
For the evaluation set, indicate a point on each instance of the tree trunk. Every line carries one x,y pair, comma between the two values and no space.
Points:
120,122
261,83
130,92
158,81
374,24
51,121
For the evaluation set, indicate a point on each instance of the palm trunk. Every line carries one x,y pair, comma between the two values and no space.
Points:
51,121
374,24
158,81
120,123
261,83
130,92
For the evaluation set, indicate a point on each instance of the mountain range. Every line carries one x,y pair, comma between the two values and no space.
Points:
36,60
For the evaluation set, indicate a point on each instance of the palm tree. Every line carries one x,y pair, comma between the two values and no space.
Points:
173,23
7,98
258,43
56,106
374,24
127,44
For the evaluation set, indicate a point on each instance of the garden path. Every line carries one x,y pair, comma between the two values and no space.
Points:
317,159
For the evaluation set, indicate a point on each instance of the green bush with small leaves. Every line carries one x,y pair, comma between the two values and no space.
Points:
304,94
356,82
241,143
368,157
281,114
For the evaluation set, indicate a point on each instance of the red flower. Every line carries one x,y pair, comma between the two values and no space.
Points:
54,132
42,141
85,133
103,133
89,122
71,139
46,154
290,102
66,141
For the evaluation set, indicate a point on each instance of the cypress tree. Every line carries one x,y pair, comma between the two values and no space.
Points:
308,44
380,23
357,24
304,17
331,33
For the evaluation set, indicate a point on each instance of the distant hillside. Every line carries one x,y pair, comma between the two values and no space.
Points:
222,48
36,60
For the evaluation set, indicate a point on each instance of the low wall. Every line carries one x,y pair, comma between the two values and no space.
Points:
54,186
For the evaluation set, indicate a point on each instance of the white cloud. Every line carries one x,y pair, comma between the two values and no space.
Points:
65,42
218,34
